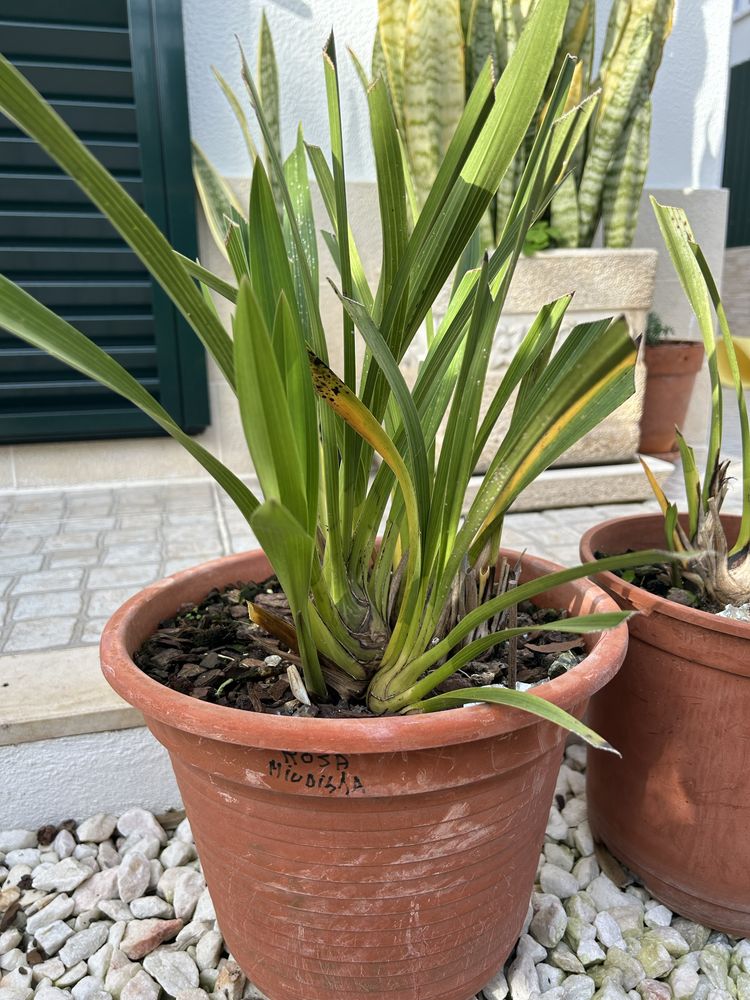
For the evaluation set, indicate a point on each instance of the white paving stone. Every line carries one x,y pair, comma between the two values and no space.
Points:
96,829
140,987
173,970
15,840
83,944
59,908
65,876
53,936
132,876
143,822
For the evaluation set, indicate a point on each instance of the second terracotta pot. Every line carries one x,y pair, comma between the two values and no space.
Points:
676,808
391,857
671,369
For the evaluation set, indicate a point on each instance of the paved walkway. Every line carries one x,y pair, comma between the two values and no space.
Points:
68,559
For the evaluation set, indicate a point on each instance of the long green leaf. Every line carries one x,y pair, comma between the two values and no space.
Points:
239,114
524,592
291,550
264,410
324,180
268,88
407,409
678,237
391,184
540,336
577,625
589,377
291,353
310,314
560,135
295,171
216,197
342,213
455,463
335,567
350,408
206,277
40,327
524,702
743,538
28,109
466,136
350,447
692,480
270,270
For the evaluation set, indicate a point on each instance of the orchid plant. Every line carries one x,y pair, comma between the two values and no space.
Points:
383,621
714,568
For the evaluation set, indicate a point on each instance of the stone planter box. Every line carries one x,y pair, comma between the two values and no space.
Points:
605,283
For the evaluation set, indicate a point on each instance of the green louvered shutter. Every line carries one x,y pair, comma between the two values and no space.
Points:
737,157
115,72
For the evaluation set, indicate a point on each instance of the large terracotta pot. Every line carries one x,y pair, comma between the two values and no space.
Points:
671,369
369,857
676,808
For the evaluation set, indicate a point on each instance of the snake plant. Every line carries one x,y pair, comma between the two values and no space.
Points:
382,621
429,52
715,569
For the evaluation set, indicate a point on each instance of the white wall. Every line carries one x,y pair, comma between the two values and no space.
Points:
740,50
300,29
77,776
689,97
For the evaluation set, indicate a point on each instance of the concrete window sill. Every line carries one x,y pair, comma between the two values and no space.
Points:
61,692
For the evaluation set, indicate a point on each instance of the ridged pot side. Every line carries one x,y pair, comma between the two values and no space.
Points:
389,857
676,807
671,370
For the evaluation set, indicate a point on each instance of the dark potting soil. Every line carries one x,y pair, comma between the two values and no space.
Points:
657,580
214,652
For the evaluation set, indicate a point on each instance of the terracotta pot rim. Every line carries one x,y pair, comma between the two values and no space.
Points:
385,734
641,599
671,343
676,360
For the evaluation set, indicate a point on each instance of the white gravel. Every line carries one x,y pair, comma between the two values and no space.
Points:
116,908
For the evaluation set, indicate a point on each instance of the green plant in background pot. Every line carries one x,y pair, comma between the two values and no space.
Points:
328,830
657,331
677,808
431,54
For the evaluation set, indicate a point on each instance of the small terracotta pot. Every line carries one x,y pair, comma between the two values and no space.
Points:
365,857
676,808
671,369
